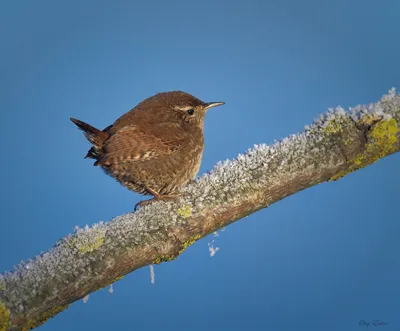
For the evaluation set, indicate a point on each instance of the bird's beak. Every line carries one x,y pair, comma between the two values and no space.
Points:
213,104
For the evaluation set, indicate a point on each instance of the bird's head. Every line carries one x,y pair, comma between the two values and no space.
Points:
179,106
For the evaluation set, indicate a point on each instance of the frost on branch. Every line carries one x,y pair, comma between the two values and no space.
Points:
337,143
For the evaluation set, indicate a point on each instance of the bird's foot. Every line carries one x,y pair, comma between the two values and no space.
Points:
157,196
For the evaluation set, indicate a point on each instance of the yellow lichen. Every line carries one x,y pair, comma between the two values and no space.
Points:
118,278
91,246
86,244
185,212
384,134
189,242
382,141
4,317
163,258
166,258
370,119
31,324
333,126
347,142
2,285
339,175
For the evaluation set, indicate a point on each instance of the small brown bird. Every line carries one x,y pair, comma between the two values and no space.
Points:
156,147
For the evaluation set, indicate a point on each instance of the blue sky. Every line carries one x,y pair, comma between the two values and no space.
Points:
323,259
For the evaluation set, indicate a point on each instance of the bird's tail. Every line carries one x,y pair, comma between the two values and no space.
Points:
95,137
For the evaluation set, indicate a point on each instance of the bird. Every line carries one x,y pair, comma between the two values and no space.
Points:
155,148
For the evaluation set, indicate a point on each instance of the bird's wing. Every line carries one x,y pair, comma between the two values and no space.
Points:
138,143
106,129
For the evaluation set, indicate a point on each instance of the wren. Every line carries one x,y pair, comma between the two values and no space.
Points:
154,149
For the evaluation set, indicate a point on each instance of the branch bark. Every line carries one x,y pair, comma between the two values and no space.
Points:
336,144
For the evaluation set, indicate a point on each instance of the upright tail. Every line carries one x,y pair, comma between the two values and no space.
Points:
95,137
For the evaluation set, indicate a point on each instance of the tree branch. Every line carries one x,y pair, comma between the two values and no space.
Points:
336,144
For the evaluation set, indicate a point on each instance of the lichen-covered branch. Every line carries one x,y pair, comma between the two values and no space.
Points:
338,143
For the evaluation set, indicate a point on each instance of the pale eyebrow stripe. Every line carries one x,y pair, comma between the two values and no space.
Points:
184,107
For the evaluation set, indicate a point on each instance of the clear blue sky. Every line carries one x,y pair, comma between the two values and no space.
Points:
323,259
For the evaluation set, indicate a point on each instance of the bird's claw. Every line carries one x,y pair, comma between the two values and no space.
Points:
162,197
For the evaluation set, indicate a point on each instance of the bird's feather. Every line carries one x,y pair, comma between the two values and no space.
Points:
142,143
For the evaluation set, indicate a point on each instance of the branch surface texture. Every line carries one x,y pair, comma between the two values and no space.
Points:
337,143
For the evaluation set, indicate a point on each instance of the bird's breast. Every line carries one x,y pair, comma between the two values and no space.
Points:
190,158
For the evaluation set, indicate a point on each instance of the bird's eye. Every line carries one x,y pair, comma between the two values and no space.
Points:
191,111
